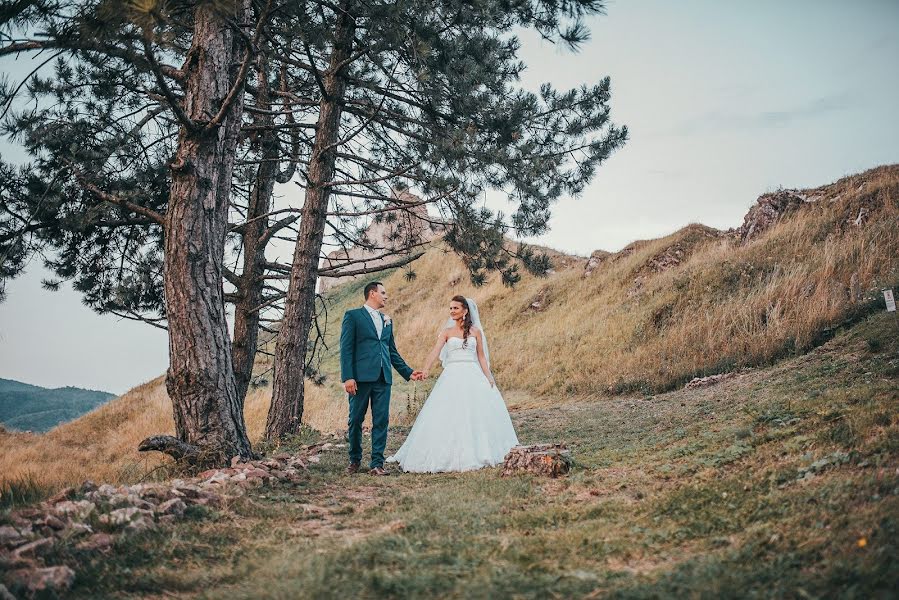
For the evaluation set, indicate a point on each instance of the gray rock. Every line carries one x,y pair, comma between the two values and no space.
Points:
77,510
10,535
51,522
140,524
124,516
75,530
98,541
38,547
175,507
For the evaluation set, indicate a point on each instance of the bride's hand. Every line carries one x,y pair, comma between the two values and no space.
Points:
424,375
492,381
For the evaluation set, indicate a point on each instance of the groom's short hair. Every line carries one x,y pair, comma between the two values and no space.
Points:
370,287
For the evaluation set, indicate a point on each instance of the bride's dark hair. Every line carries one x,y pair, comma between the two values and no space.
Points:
466,322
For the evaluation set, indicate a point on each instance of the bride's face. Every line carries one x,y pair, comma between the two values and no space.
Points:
457,311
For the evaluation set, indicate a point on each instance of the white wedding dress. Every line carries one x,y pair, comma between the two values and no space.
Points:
464,424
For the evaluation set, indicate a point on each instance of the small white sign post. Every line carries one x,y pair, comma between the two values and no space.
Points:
891,302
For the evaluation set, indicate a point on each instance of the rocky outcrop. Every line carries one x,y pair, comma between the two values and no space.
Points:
597,258
392,232
769,209
91,517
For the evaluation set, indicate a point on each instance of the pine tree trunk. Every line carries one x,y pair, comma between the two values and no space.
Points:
200,379
286,411
246,313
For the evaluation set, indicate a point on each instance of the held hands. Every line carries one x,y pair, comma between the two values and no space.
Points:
418,375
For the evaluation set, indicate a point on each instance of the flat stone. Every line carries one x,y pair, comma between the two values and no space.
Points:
175,506
38,547
76,530
189,491
75,509
219,477
98,541
51,522
124,516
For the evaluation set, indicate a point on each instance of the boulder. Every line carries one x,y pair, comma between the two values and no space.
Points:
550,460
768,210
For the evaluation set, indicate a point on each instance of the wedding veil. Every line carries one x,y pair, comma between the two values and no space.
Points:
476,321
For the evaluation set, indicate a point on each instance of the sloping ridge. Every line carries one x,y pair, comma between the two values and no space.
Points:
708,302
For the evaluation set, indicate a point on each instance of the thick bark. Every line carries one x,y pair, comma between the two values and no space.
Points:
286,411
200,378
246,309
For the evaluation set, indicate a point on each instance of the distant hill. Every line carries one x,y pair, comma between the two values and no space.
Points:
31,408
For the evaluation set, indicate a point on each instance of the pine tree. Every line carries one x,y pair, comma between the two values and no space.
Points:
130,179
410,91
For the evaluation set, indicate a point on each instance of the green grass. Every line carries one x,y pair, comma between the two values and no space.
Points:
779,483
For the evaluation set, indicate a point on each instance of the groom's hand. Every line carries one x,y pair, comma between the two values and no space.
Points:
416,376
350,386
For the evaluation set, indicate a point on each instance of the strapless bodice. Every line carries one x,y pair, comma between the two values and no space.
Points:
457,353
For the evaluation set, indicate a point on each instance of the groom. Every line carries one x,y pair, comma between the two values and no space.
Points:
367,351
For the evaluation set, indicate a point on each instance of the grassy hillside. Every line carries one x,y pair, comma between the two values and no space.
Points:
782,482
661,312
27,407
645,320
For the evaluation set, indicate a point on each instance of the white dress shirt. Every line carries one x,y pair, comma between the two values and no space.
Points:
377,318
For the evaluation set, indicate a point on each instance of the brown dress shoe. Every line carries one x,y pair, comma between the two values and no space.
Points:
378,471
352,468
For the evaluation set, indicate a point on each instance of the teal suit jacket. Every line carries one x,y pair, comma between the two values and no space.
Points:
363,355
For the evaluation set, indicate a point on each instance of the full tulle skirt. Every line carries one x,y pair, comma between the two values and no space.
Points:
463,425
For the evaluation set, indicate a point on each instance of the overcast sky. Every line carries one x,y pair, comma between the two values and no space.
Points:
724,101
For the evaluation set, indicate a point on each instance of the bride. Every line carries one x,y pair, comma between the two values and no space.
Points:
464,424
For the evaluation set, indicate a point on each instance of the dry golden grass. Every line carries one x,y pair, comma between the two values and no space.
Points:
728,305
626,327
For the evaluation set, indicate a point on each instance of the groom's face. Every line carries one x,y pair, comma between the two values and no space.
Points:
378,297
